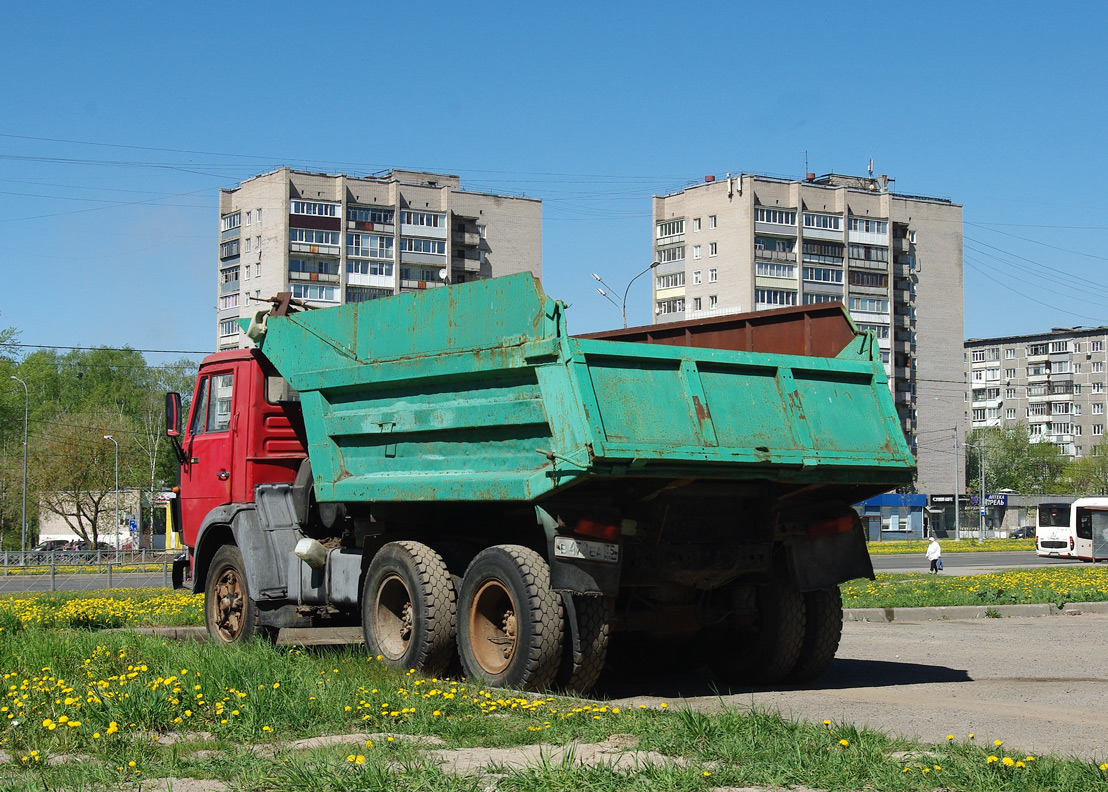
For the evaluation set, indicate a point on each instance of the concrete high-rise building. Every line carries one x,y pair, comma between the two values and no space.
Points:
1055,383
333,239
747,243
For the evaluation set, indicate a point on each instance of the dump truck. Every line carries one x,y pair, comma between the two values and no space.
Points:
486,494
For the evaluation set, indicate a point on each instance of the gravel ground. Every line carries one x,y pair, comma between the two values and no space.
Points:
1038,684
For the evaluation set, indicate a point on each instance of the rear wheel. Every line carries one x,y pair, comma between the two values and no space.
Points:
823,628
510,620
408,608
765,653
586,647
229,613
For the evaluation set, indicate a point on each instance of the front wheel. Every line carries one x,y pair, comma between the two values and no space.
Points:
229,613
510,622
408,608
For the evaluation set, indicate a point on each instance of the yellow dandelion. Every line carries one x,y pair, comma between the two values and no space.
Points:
1009,761
844,743
706,774
1020,764
949,737
991,759
998,743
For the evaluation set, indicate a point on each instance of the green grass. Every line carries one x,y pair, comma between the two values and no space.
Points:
153,689
1056,585
951,546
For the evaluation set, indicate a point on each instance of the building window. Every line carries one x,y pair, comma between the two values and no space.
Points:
979,414
369,214
428,219
822,252
229,275
314,266
696,224
979,356
823,275
312,291
1009,393
713,301
1096,346
676,305
696,251
828,222
1098,408
247,248
314,208
671,280
775,216
696,303
1009,373
369,267
1098,429
670,228
1098,366
435,247
881,331
696,277
774,297
1059,346
248,217
666,255
775,270
711,221
1098,387
369,246
1010,413
1009,354
230,221
229,249
1036,349
229,301
713,275
228,327
814,298
356,294
712,248
258,213
311,236
869,253
869,226
869,305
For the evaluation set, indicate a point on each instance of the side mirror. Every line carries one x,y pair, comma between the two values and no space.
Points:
173,414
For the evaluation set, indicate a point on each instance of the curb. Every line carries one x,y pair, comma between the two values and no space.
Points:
970,612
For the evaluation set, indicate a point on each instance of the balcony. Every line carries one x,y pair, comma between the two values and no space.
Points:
228,286
776,255
467,238
320,277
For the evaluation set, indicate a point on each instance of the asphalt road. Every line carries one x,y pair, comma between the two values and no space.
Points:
1038,684
967,563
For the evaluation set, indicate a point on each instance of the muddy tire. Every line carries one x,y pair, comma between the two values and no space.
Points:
510,621
583,654
823,628
229,613
409,608
766,653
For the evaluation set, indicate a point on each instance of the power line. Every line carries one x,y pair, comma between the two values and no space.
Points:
111,349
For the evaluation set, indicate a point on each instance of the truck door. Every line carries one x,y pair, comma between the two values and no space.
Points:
206,474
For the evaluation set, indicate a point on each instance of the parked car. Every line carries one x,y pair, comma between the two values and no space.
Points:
1026,532
51,546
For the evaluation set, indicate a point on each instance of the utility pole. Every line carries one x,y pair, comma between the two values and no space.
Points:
614,299
981,464
957,478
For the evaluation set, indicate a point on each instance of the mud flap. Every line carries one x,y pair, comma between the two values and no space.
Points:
823,561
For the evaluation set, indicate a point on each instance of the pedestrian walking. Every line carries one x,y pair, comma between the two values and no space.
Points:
934,555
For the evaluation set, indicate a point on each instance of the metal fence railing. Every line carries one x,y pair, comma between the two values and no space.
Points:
84,570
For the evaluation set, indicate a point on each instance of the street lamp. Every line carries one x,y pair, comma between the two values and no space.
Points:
26,407
614,300
109,437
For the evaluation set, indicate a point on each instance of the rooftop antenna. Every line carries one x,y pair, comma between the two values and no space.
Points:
871,167
805,161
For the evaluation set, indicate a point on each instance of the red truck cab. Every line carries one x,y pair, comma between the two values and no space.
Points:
244,428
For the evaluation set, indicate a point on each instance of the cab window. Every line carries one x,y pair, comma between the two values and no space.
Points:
212,410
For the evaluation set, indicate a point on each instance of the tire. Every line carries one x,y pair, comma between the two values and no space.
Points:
509,619
584,653
823,628
229,613
408,608
766,653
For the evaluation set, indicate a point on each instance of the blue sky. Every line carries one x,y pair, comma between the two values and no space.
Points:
121,121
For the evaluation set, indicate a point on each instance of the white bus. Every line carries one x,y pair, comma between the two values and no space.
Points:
1090,528
1054,531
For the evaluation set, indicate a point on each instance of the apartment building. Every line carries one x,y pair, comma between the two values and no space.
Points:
333,239
1056,383
746,242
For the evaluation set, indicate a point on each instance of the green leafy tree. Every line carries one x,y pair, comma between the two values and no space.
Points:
1088,475
1013,462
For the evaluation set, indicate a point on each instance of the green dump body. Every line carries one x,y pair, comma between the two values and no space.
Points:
476,392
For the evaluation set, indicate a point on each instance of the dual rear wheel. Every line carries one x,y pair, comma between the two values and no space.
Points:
508,625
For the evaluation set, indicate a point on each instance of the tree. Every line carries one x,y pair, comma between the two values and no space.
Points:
1089,474
1013,462
74,467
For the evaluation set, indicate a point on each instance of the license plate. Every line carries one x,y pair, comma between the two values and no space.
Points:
568,547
